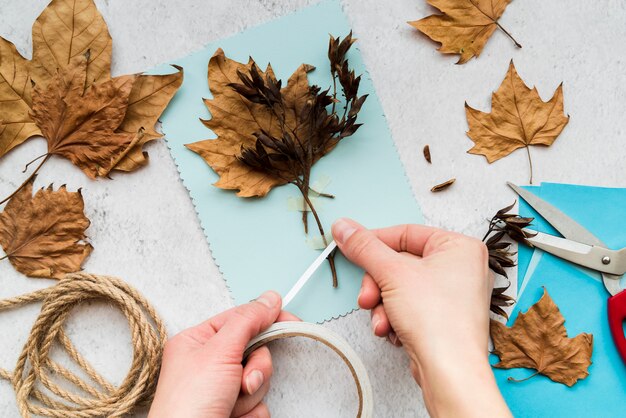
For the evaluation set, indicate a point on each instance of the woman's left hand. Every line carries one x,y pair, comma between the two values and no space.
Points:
202,374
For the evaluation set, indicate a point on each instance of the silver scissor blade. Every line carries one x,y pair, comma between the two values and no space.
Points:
582,254
308,273
568,227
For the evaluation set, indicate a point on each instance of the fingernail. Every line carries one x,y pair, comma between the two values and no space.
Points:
254,381
358,298
393,337
342,230
269,299
375,322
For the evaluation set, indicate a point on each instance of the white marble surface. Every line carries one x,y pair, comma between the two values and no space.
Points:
144,228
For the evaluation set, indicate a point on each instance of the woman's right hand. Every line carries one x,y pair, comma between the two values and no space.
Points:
429,290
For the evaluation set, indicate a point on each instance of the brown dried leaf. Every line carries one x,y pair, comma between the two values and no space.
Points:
426,152
538,340
66,30
518,119
148,99
442,186
464,27
42,235
16,125
234,120
63,35
79,124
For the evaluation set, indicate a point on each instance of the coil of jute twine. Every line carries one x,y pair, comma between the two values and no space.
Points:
318,333
32,379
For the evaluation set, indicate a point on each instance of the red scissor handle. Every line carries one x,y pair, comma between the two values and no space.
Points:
617,316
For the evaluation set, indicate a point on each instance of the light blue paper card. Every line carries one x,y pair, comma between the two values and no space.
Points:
259,244
582,300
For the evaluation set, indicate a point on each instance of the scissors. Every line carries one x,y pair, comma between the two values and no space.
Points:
581,247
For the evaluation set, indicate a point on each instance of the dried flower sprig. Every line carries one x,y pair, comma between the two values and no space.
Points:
290,155
502,225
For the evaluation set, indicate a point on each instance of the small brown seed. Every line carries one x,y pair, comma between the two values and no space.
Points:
442,186
427,154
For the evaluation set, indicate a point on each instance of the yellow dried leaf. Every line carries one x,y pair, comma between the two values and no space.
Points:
518,119
16,125
148,99
66,30
43,235
234,120
464,27
538,340
79,123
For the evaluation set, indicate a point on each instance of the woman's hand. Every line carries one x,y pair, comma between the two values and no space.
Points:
202,375
429,290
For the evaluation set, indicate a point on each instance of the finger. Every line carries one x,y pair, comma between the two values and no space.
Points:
409,238
369,296
380,321
393,339
362,247
259,411
245,404
285,316
258,369
236,326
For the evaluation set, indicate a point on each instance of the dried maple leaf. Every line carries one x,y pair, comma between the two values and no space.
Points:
538,340
16,125
43,235
518,119
464,27
64,30
64,33
235,121
79,123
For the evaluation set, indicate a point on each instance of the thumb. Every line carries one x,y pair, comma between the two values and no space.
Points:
247,321
364,248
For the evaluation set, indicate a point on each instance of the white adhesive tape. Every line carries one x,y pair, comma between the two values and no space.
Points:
281,330
319,243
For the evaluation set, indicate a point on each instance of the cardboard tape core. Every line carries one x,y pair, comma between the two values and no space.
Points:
333,341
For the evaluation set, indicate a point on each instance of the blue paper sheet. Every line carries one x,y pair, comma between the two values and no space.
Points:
259,244
581,297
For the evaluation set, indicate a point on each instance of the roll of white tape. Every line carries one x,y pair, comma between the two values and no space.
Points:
316,332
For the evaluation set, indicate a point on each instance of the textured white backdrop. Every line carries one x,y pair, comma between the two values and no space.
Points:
144,228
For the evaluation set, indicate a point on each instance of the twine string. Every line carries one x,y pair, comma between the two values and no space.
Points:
36,391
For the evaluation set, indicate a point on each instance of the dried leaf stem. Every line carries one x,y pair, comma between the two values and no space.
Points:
512,379
32,161
331,256
517,44
32,175
530,163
